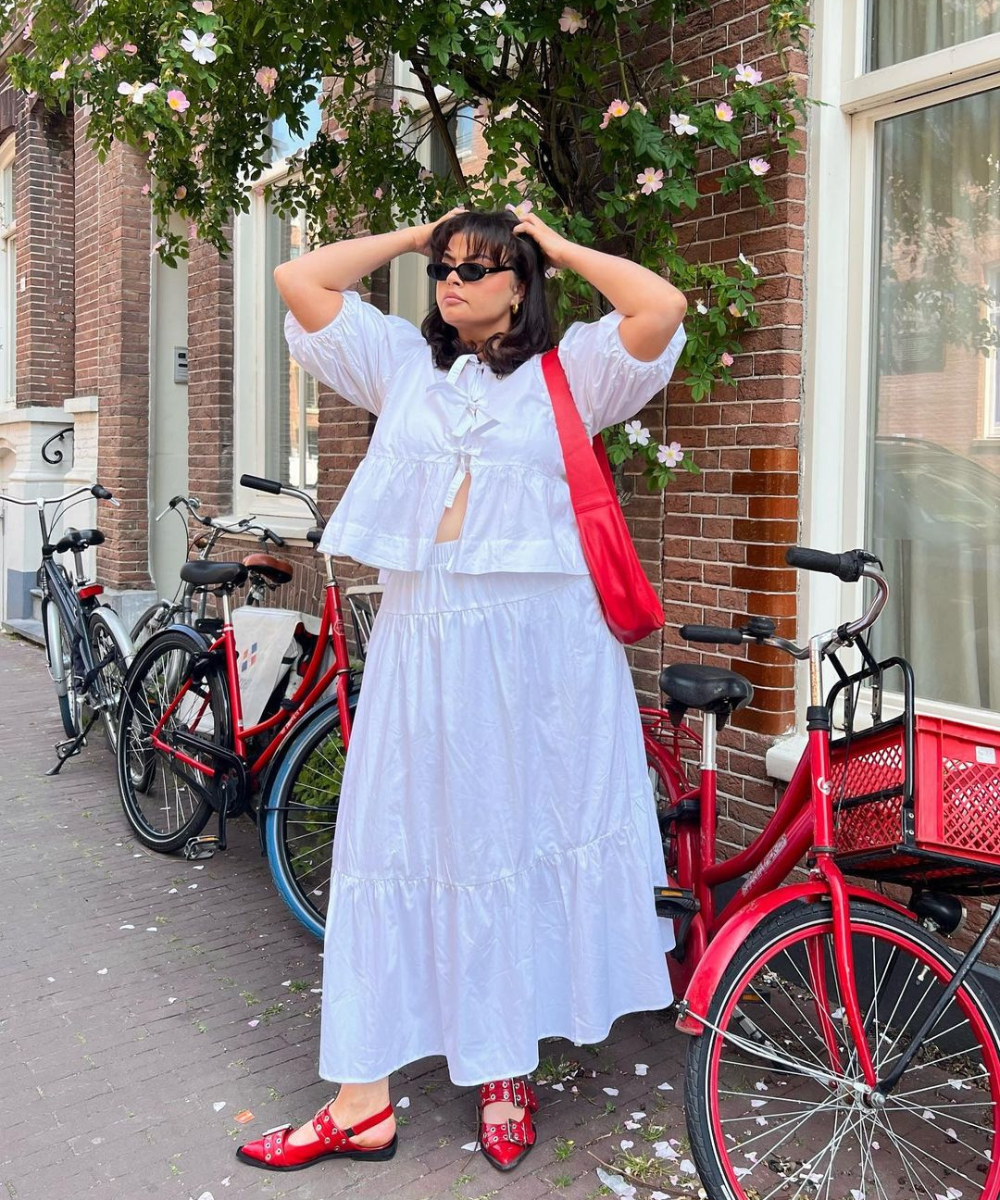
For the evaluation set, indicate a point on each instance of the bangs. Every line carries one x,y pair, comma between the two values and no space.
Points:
489,236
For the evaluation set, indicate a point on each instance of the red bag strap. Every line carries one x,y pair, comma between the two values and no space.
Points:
587,467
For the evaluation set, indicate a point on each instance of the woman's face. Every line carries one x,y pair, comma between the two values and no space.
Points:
480,309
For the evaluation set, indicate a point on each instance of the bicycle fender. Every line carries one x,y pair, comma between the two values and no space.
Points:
118,632
198,643
50,619
708,973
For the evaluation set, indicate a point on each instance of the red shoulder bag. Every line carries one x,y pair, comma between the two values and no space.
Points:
631,608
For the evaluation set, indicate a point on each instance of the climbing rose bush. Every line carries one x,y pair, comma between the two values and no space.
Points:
582,123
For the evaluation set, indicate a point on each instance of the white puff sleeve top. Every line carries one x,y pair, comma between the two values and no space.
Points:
434,426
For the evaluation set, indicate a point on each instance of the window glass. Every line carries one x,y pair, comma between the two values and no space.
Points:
905,29
285,142
464,126
934,464
291,406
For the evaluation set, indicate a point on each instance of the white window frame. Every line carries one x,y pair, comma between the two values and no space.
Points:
286,515
8,285
839,302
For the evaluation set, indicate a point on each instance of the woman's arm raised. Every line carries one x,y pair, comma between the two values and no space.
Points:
651,307
311,285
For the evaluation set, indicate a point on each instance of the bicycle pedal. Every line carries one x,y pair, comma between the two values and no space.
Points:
201,847
674,902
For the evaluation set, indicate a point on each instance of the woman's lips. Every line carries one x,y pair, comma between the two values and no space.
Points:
452,300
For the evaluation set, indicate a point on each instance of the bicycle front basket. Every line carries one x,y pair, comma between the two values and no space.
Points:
942,832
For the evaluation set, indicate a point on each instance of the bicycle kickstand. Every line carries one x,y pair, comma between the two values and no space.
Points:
66,750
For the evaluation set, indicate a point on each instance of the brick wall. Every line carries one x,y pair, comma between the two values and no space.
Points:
210,376
725,532
112,345
43,209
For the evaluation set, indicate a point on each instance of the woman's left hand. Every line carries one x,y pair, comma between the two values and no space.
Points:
553,245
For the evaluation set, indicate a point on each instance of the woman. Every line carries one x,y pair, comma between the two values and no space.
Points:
496,842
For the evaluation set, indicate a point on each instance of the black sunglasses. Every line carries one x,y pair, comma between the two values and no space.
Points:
468,272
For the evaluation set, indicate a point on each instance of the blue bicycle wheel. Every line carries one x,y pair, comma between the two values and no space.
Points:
300,815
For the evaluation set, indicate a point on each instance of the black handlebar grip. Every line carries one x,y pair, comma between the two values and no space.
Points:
100,493
847,566
712,633
261,484
274,537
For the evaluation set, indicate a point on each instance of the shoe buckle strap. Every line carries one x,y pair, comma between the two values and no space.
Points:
514,1091
328,1130
516,1132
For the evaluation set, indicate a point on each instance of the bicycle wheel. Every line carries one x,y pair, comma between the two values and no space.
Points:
156,787
300,811
769,1117
106,688
156,618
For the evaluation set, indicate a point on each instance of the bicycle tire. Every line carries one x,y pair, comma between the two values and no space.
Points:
107,685
299,846
160,805
762,1059
66,716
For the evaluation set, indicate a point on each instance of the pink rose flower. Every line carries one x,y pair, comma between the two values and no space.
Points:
266,78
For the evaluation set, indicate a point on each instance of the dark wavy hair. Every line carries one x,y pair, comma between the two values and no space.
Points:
490,235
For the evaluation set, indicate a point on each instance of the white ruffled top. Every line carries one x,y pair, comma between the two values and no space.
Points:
434,426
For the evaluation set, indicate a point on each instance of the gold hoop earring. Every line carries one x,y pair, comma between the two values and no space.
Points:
514,307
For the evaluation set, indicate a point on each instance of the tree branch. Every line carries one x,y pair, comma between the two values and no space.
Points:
439,122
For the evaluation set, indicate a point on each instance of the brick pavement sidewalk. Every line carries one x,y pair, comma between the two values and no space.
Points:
146,1001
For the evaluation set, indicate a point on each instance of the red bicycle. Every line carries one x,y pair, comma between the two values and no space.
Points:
184,750
840,1048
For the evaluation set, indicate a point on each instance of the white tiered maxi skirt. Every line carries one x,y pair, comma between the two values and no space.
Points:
496,845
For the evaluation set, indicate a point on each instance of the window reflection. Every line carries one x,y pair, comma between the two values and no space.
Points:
905,29
934,502
285,142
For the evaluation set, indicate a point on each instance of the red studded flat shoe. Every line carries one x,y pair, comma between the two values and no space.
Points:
507,1142
273,1153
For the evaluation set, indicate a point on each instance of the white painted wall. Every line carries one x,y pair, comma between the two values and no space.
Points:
168,422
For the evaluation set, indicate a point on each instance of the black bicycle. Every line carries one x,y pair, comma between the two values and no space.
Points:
87,646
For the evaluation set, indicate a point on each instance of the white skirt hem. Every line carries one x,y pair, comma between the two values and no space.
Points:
579,1037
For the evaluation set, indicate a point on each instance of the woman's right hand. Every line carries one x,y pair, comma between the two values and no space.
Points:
422,233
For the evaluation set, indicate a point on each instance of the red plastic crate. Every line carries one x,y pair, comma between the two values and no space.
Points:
956,805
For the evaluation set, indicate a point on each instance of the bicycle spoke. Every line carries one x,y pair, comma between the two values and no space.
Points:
944,1057
888,1024
919,1109
898,1137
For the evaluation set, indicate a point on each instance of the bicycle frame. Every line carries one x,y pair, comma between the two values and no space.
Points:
800,827
302,701
66,600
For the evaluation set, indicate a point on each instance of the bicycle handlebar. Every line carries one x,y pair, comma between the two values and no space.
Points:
261,484
848,566
276,488
713,634
97,491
